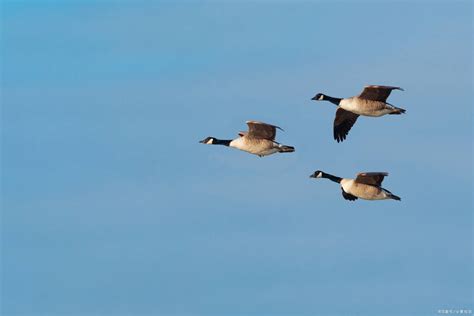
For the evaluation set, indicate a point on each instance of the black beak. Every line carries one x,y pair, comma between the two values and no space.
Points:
202,141
314,98
312,176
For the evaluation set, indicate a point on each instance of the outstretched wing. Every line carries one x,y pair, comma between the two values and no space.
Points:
371,178
343,123
377,93
262,130
348,196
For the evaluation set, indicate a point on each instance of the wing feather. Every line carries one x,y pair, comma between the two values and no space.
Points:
262,130
377,93
348,196
371,178
343,123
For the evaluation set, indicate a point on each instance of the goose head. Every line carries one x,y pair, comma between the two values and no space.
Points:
208,140
319,97
317,174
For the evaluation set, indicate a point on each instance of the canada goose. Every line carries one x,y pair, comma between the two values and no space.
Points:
367,186
258,140
371,102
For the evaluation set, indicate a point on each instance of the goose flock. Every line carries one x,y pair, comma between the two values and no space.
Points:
372,101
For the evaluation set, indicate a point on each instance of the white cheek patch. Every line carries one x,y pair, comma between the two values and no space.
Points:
321,98
320,175
209,142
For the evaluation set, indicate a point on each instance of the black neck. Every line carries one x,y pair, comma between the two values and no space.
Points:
335,101
221,142
331,177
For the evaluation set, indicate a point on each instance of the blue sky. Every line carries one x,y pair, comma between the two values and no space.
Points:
112,207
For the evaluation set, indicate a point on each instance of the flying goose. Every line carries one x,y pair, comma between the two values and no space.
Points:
258,140
367,186
371,102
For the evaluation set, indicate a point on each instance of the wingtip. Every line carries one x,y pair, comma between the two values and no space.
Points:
259,122
381,86
385,174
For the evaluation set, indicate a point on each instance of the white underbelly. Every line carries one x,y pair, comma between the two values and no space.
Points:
266,152
380,196
262,148
355,106
362,191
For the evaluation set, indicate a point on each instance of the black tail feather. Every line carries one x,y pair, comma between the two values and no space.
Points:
397,111
286,149
394,197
